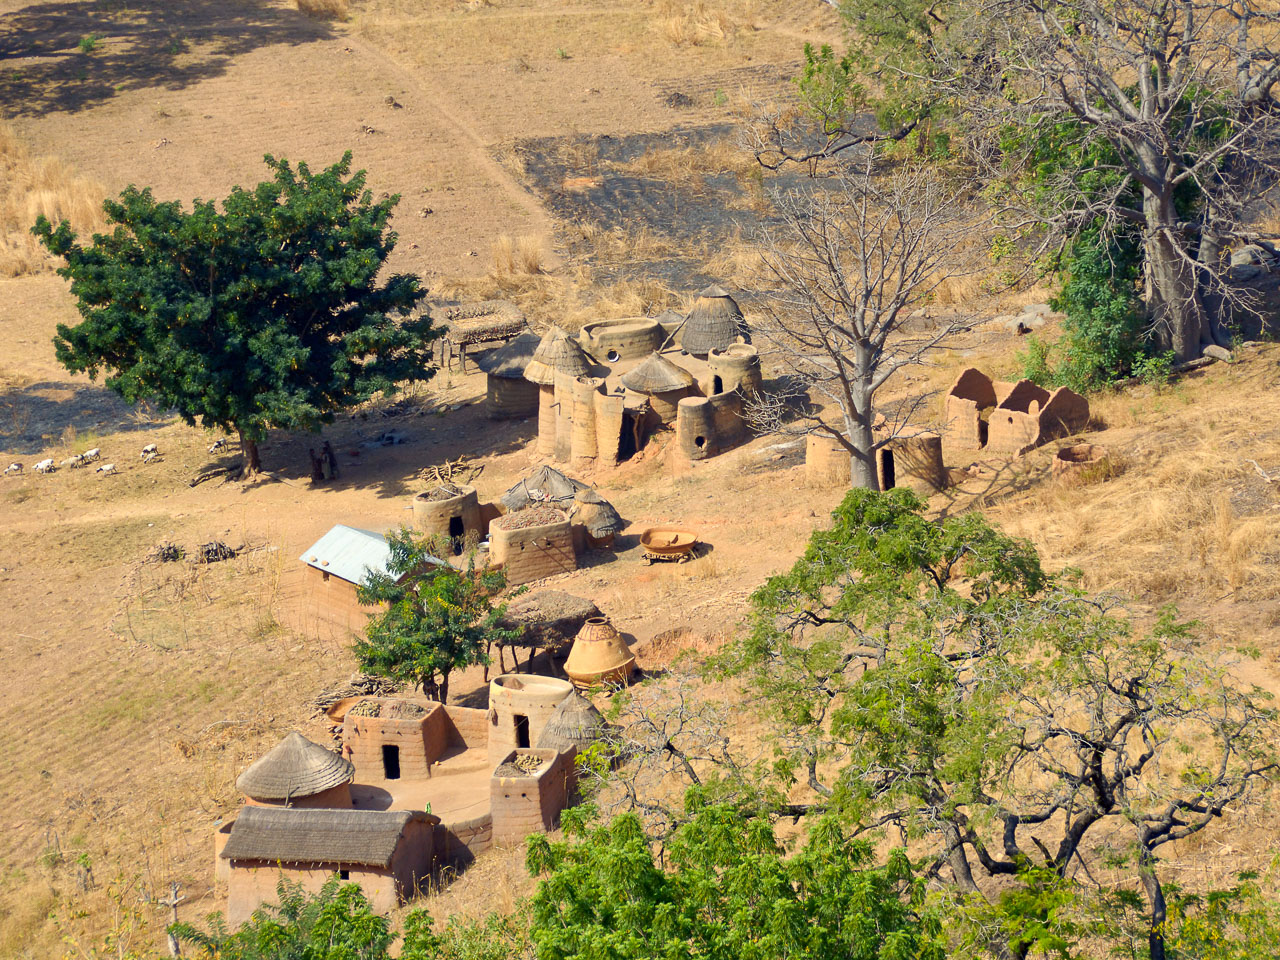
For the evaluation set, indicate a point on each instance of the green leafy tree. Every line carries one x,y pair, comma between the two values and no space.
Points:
1104,330
1189,146
335,923
437,618
930,679
265,313
726,891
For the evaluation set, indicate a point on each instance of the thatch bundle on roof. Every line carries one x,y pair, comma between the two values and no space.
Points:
657,375
574,723
293,769
509,361
556,353
714,323
362,837
596,514
544,485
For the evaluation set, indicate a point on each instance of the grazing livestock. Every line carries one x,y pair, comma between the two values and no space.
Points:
45,466
94,454
106,468
218,446
150,450
13,468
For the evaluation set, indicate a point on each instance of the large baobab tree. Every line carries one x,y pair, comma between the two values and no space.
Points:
846,264
1156,114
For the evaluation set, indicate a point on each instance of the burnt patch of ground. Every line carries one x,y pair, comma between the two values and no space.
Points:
686,209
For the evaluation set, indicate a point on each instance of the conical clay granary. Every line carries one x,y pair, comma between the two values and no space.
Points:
599,655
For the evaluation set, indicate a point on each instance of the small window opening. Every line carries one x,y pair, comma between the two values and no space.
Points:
344,874
390,761
613,356
887,471
717,385
522,730
699,442
982,433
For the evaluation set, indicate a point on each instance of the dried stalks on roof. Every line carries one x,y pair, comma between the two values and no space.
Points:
657,375
294,768
281,835
596,514
714,323
544,485
574,723
509,361
557,353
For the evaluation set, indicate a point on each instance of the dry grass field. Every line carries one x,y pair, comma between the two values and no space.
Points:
136,691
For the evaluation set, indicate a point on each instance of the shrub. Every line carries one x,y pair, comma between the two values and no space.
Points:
325,9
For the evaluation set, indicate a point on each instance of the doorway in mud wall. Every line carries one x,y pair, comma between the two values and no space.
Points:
628,440
888,473
457,532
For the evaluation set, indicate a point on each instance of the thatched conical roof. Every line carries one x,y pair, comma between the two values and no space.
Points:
544,485
294,768
509,361
657,375
714,322
557,353
596,514
574,723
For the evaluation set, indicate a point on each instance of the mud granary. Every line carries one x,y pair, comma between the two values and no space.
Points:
604,393
418,785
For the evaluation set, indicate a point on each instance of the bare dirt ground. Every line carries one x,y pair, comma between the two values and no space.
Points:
137,691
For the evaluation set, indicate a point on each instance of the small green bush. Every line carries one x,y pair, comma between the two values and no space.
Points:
89,41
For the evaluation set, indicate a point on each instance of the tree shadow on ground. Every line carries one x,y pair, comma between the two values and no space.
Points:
428,438
67,56
34,416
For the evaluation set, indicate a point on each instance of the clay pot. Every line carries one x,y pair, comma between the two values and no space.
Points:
599,655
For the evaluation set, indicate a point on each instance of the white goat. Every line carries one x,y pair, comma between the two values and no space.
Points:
218,445
75,461
94,454
13,468
45,466
150,450
106,468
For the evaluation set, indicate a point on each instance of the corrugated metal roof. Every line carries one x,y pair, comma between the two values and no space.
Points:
311,835
348,552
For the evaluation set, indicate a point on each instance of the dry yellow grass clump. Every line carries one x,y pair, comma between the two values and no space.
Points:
39,186
1190,517
325,9
693,23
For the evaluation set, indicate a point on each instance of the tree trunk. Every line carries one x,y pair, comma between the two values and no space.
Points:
251,463
862,461
1174,302
443,688
1157,909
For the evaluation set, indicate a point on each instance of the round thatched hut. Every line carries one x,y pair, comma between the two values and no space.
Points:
664,383
597,515
574,725
298,773
509,395
557,353
714,323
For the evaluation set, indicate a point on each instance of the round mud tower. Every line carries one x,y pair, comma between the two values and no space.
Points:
435,513
519,707
696,428
736,367
1080,463
826,462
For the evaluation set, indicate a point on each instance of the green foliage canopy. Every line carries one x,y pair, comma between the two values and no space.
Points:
436,619
726,892
266,313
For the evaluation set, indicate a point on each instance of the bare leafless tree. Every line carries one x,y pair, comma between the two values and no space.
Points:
845,268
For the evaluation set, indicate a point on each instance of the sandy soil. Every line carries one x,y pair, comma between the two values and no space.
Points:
137,691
